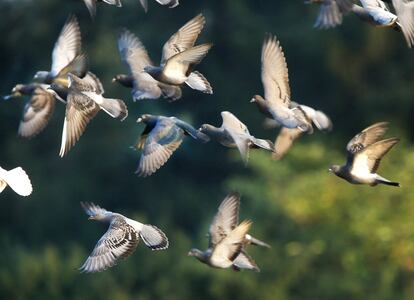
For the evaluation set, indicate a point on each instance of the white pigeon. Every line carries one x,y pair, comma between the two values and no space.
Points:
17,179
120,240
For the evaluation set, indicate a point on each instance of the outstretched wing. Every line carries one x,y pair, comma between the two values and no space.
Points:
405,13
67,47
367,137
225,220
92,209
118,242
37,113
183,39
284,141
159,145
275,76
331,12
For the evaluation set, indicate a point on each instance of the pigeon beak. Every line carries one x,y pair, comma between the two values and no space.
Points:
252,100
189,253
139,120
330,170
91,218
113,80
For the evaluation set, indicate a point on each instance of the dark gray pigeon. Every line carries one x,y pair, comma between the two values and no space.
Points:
365,152
330,12
234,134
160,138
275,79
120,240
143,85
228,238
37,111
180,57
84,101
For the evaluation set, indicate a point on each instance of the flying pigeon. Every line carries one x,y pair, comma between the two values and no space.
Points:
180,56
37,111
287,136
66,56
233,133
170,3
84,101
331,12
377,13
275,79
227,239
17,179
120,240
143,85
365,152
160,138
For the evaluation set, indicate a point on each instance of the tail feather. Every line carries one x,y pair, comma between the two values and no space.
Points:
392,183
153,237
264,144
256,242
115,108
198,82
18,180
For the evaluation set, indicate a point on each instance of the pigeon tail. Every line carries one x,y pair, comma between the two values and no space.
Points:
18,180
198,82
115,108
387,182
264,144
153,237
256,242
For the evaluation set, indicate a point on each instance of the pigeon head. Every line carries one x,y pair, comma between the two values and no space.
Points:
257,99
41,75
196,253
123,79
58,91
207,128
20,90
334,169
146,118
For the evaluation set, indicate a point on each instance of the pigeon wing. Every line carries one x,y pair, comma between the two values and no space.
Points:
183,39
67,47
159,145
284,141
244,261
367,137
369,159
37,113
275,76
225,220
80,109
119,242
405,13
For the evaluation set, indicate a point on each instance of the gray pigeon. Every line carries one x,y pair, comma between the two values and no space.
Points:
17,179
331,12
377,13
37,111
233,133
275,79
121,239
143,85
66,56
84,101
160,138
180,56
170,3
287,136
228,238
365,152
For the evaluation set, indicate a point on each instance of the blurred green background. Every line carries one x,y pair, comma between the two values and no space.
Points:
330,239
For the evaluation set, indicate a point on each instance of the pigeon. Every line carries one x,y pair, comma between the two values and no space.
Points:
160,138
143,85
227,239
37,111
331,12
17,179
91,5
170,3
66,56
287,136
365,152
377,13
120,240
233,133
84,101
180,56
275,79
